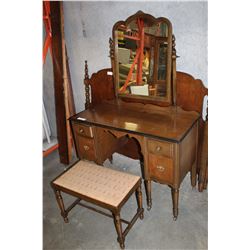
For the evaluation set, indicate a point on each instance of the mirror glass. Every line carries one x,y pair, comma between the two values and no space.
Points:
142,51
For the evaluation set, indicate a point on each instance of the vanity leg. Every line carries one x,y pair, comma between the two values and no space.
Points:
175,199
138,194
118,227
61,206
201,178
148,193
111,159
194,174
205,179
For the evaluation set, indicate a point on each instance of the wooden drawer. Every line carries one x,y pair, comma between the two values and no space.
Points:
160,148
161,168
83,130
86,148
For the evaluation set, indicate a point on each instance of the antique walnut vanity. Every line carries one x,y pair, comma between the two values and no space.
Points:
133,108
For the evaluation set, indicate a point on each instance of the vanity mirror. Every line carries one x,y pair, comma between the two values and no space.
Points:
142,58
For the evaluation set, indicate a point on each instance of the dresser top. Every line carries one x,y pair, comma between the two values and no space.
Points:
169,123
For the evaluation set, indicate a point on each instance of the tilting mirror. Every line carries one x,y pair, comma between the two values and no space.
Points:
142,60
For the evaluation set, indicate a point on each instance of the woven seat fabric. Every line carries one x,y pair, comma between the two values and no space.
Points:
97,182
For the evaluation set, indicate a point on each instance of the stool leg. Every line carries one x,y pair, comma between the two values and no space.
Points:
175,199
148,193
61,206
138,194
118,227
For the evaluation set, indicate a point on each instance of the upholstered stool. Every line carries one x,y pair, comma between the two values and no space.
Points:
101,186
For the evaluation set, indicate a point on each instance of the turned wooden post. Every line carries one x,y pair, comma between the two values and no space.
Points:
111,52
118,227
86,83
61,205
148,193
175,199
174,56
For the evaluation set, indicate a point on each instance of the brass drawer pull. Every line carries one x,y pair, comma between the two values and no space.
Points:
158,148
81,130
86,148
160,168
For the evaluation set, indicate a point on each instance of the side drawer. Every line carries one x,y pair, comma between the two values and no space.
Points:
161,168
86,148
83,130
160,148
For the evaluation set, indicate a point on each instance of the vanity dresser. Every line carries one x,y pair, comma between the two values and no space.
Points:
132,108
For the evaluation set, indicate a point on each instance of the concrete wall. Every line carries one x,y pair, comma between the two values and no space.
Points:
88,26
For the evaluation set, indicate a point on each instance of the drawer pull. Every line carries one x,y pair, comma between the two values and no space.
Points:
86,148
160,168
158,148
81,130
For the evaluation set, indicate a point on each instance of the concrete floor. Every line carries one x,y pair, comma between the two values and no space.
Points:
89,230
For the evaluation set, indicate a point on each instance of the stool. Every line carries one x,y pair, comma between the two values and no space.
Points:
101,186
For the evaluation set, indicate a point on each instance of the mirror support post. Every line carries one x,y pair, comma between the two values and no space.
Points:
174,70
86,83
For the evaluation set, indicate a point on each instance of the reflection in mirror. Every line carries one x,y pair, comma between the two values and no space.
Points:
142,58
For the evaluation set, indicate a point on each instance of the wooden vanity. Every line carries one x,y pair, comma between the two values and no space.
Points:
167,140
146,125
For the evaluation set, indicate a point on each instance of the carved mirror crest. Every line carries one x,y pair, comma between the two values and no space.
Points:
141,54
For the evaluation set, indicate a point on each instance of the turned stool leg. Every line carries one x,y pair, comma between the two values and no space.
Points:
138,195
175,199
148,193
61,205
118,227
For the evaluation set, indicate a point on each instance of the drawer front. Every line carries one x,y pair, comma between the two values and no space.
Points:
160,148
83,130
161,168
86,148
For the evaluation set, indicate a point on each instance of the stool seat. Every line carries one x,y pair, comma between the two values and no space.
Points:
98,183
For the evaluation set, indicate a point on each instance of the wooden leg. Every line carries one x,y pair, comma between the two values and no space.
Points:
201,180
148,193
175,199
194,174
118,227
138,194
206,178
111,158
61,205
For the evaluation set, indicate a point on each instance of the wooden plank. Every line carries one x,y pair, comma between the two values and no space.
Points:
72,109
58,82
65,83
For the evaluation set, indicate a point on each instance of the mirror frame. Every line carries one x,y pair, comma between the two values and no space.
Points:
162,101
